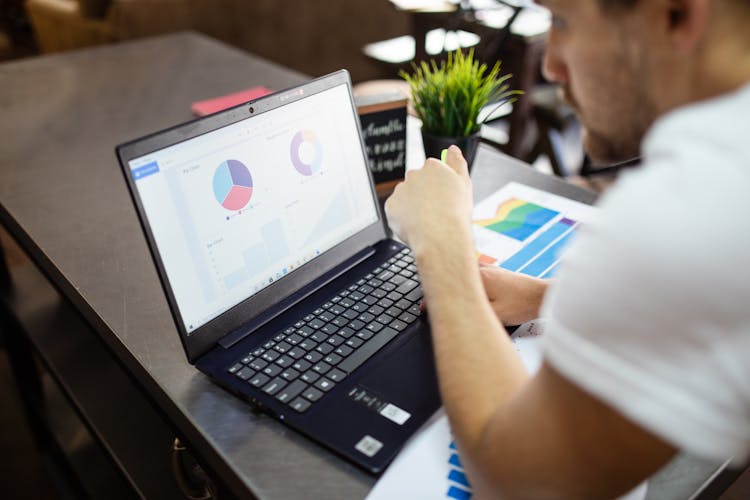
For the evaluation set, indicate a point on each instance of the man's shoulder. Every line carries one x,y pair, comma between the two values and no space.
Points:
715,127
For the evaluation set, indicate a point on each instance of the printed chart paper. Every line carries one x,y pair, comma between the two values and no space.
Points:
524,229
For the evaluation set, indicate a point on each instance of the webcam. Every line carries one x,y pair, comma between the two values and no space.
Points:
251,109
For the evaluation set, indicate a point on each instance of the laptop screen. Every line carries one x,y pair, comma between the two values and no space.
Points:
236,209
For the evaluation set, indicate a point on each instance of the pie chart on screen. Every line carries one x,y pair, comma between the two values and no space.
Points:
306,152
233,185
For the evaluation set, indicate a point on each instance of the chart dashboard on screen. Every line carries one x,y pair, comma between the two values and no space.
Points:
238,208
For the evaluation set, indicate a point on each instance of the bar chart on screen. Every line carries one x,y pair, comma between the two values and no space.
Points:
526,230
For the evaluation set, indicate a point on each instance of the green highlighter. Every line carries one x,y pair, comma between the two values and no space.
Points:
444,155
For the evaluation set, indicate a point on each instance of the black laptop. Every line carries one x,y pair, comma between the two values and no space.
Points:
285,288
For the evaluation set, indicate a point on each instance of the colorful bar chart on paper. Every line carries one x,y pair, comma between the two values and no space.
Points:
541,253
518,219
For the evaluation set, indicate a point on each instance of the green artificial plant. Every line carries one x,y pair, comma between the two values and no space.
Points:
448,97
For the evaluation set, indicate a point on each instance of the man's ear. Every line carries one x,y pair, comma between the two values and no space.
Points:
687,22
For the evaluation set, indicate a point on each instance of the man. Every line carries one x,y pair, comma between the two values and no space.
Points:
647,345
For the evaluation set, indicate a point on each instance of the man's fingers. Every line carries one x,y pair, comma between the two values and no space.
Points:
455,160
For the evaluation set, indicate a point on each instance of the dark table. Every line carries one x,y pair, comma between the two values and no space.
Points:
88,305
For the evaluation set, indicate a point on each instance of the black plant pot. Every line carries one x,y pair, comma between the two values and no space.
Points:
435,144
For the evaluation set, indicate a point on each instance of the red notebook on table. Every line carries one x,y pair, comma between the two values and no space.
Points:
203,108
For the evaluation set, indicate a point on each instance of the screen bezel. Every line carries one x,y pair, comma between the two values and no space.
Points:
203,338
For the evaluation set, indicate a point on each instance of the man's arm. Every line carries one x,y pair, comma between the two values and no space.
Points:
519,436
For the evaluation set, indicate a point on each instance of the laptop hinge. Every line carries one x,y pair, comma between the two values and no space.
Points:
234,337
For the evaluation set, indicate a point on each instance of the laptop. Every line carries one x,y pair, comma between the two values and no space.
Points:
274,256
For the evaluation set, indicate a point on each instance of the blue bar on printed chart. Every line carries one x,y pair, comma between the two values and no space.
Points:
530,251
459,477
454,460
458,493
548,259
550,272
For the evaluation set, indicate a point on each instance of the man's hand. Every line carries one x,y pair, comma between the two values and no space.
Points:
434,204
514,297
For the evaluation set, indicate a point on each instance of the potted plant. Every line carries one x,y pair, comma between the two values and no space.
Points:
448,98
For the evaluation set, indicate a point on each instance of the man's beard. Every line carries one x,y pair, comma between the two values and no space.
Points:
604,149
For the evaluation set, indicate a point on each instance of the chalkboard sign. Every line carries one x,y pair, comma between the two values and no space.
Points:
383,119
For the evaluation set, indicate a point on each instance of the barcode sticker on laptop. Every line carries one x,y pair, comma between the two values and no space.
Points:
395,414
369,446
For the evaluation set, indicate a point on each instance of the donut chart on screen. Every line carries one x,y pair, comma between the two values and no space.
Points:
233,185
306,152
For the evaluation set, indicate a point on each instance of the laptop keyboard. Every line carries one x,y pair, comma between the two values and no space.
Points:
306,360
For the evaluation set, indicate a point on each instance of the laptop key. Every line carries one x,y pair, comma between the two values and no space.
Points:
319,337
398,325
313,356
300,405
346,332
258,364
341,321
366,317
272,370
336,375
394,311
415,310
376,310
335,340
301,365
324,348
285,361
407,317
316,323
245,373
308,344
309,377
324,384
294,339
326,316
259,379
321,368
415,294
375,326
282,347
312,394
333,359
330,328
370,300
407,286
296,352
354,342
368,349
353,313
289,374
365,334
291,391
343,350
271,355
385,302
235,368
356,325
384,319
274,386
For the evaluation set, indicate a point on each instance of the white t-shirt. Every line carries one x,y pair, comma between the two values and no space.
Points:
651,309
